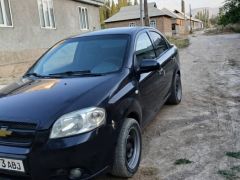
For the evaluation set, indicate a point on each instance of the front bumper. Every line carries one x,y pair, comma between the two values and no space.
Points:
91,152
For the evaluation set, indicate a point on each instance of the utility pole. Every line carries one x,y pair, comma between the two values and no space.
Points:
141,12
184,13
146,17
190,9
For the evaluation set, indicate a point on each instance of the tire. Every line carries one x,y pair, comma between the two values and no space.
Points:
128,150
176,91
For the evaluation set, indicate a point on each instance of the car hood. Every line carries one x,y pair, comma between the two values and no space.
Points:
42,101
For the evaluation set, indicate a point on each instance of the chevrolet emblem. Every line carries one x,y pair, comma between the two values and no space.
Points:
4,132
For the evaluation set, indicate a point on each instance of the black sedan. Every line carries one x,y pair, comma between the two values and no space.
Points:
79,110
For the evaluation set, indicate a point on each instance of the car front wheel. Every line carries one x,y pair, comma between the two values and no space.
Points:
128,150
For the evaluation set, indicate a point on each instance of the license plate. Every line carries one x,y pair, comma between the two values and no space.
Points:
11,164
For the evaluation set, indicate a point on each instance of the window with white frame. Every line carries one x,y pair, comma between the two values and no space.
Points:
132,24
83,16
5,14
46,13
153,23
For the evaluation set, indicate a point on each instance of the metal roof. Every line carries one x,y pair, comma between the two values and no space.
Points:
186,16
133,12
170,13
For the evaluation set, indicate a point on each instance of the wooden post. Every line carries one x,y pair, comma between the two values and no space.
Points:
190,18
146,17
141,12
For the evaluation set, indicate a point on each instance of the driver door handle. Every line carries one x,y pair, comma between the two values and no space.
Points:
161,72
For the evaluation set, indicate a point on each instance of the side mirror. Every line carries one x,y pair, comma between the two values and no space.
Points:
149,65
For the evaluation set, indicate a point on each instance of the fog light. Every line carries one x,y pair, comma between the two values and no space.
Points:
75,173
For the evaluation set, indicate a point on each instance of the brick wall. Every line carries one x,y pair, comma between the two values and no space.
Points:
164,24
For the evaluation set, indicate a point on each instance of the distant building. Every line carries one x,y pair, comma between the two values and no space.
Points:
178,22
196,24
130,16
168,22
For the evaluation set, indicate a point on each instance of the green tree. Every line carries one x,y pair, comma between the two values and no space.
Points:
135,2
129,2
204,17
230,12
113,8
110,8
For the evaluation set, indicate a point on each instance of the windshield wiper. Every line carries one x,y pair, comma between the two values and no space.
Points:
76,73
33,74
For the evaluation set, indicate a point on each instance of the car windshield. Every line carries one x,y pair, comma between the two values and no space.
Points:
83,56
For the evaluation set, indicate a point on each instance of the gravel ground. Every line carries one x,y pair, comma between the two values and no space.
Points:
206,124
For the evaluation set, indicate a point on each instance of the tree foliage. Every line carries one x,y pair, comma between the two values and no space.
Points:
135,2
110,8
204,17
230,12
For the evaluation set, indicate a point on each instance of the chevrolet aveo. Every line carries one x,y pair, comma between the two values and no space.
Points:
79,110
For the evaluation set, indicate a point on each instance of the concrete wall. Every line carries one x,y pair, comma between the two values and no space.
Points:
164,24
26,40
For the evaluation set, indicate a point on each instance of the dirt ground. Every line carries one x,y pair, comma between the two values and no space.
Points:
206,124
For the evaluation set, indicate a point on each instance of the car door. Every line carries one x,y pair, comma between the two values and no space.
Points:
148,82
165,57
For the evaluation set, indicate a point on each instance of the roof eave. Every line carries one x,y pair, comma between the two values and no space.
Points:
120,20
92,2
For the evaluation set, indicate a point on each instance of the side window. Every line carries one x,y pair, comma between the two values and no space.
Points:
144,48
159,43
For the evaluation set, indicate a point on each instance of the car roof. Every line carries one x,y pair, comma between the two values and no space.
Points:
112,31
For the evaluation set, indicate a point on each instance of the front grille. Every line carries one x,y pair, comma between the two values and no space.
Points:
22,134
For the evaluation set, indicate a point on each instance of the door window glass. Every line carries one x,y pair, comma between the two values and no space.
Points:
159,43
144,48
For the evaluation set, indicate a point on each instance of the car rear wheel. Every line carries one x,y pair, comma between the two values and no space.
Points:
176,91
128,150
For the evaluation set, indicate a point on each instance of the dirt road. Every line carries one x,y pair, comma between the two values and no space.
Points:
206,124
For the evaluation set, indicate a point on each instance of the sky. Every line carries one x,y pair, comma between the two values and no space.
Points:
176,4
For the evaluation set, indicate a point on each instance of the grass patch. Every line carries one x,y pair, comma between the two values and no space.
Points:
233,154
179,42
228,174
230,28
182,161
235,168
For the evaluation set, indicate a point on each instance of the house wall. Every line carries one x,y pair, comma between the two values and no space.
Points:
23,43
164,24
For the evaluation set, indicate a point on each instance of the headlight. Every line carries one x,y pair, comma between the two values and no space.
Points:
78,122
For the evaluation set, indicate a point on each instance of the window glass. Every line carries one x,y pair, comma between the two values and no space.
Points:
1,14
132,24
153,23
8,13
144,48
83,13
159,43
102,54
5,13
46,13
87,19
